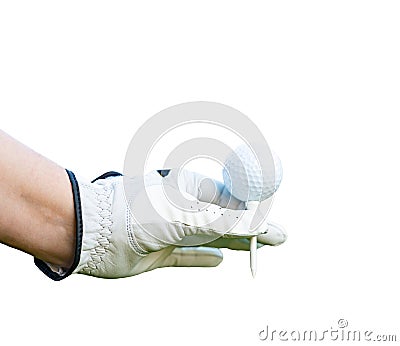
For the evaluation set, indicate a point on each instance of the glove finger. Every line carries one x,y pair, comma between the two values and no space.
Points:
276,235
194,257
208,190
163,216
203,188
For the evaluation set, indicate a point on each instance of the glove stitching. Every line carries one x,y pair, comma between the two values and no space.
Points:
131,236
104,212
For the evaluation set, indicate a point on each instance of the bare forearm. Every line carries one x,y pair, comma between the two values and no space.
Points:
37,212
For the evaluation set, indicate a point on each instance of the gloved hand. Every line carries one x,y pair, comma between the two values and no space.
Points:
167,218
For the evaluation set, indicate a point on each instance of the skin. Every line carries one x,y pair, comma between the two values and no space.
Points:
37,212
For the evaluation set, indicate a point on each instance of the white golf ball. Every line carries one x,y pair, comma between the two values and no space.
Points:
246,180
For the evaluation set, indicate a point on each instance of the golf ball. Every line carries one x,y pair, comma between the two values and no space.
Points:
246,180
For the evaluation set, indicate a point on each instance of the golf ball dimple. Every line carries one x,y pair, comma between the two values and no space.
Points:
246,180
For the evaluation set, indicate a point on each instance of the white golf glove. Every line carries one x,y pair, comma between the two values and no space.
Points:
127,226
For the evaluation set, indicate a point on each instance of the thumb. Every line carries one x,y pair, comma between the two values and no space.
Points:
276,235
198,256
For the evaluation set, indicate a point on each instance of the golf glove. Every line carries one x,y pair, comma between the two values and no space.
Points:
126,226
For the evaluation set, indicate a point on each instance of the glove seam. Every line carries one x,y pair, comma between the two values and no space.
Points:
96,254
131,236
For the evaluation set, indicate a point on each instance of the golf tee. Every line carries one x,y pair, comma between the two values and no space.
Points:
253,242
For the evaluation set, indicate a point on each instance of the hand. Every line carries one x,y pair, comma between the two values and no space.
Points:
133,225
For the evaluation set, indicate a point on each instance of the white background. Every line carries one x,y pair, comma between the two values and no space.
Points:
320,79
